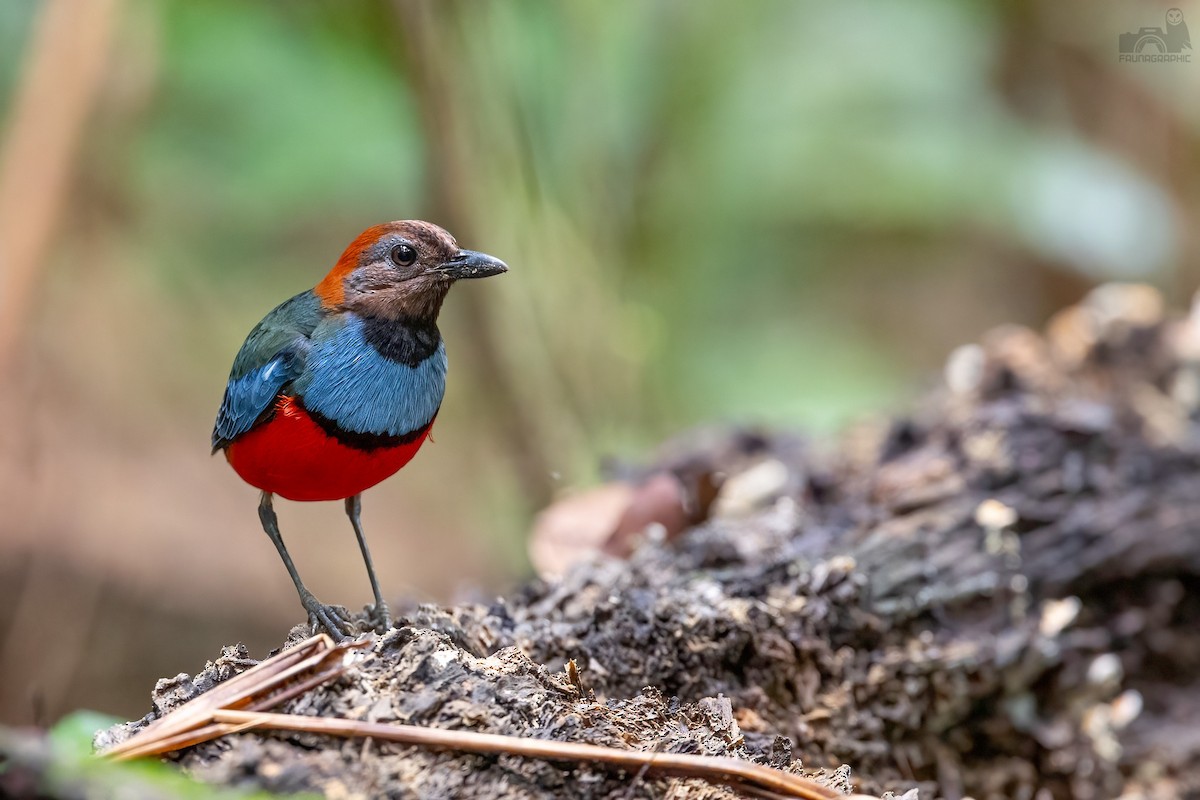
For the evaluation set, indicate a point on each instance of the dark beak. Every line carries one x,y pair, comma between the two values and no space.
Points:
469,264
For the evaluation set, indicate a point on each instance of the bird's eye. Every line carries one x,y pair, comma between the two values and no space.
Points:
403,255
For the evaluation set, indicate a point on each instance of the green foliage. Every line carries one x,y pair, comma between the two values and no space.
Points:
263,124
782,212
69,769
696,205
16,20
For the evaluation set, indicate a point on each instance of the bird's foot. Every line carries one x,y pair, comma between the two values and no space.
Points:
334,619
379,617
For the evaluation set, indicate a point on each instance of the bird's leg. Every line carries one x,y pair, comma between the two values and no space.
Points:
379,613
318,614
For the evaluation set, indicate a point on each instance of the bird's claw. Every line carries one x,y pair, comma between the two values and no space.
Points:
334,619
379,617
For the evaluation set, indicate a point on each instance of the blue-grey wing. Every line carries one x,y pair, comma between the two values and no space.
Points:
250,399
272,356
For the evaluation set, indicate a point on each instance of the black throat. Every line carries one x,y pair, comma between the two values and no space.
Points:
405,340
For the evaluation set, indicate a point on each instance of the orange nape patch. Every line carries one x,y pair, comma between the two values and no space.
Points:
293,457
332,288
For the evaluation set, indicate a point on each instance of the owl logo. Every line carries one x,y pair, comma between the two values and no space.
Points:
1177,37
1154,41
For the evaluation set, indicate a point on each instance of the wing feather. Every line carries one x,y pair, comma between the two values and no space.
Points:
272,357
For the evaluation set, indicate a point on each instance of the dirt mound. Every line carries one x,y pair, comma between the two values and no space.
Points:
993,596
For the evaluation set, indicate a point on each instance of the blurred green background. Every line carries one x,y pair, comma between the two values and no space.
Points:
774,212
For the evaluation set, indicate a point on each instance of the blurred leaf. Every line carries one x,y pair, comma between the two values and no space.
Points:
72,735
241,145
16,22
67,768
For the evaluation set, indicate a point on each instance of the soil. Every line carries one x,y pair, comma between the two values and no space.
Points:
996,595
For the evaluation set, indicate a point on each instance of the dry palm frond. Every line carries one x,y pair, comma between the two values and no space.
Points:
289,674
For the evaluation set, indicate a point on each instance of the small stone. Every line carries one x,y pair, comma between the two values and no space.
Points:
1105,669
1058,614
1121,305
965,369
1126,708
747,491
994,515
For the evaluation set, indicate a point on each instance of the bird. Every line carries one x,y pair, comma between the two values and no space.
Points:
1177,36
337,388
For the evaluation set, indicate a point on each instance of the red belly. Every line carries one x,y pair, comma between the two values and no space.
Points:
293,457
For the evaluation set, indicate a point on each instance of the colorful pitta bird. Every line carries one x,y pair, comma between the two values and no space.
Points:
336,389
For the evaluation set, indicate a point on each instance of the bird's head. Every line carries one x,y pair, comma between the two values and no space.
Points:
401,269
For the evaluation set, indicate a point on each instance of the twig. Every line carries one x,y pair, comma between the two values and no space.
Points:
727,771
60,82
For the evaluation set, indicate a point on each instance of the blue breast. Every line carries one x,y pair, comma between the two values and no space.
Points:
348,381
